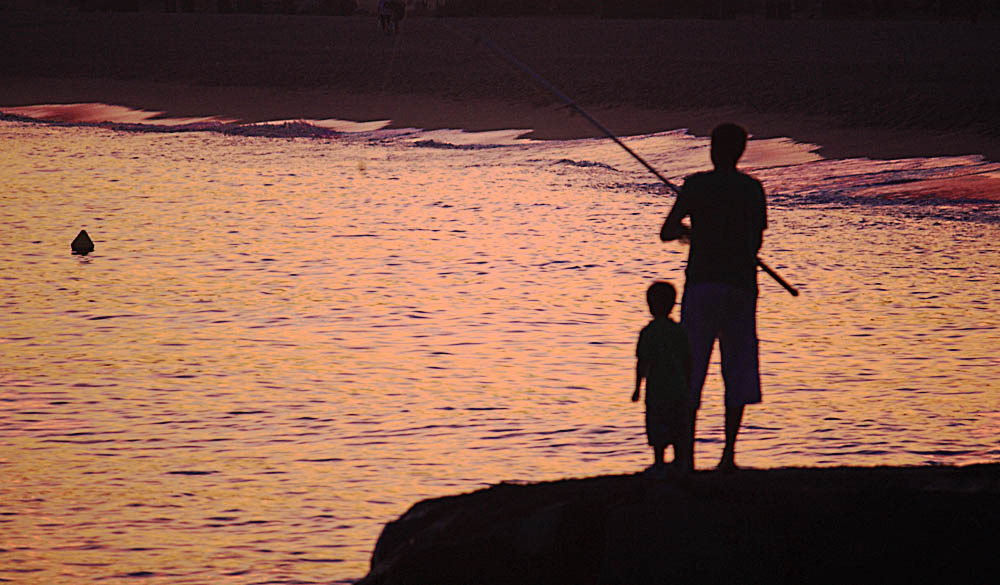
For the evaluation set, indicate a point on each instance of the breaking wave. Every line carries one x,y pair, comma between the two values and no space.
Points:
289,129
957,187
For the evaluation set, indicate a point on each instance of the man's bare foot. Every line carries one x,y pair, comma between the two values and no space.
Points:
728,462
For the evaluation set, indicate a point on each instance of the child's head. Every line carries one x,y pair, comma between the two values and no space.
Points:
661,296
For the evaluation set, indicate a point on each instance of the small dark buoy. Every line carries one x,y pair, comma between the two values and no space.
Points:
82,244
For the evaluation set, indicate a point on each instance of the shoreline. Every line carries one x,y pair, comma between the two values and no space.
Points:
540,122
855,89
249,105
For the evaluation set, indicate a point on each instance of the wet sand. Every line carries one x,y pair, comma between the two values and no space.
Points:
966,189
857,88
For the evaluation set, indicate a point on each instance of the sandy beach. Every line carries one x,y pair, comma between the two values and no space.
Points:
857,88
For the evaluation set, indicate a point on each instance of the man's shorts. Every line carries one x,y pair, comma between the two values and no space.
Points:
715,310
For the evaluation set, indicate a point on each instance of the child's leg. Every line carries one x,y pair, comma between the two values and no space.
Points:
658,451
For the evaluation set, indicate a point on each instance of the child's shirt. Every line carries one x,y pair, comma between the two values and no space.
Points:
663,344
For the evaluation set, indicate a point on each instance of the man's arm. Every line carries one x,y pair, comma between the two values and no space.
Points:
672,228
762,207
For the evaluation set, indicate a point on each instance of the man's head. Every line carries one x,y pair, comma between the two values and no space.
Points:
728,143
661,296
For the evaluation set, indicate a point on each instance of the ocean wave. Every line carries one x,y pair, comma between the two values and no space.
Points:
292,129
431,143
585,164
289,129
793,173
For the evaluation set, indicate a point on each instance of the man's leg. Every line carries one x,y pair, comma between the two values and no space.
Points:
734,417
700,314
738,345
700,319
684,447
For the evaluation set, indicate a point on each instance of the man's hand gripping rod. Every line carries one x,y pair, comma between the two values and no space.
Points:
542,82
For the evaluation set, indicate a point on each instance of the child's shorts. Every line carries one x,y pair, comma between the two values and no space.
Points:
666,421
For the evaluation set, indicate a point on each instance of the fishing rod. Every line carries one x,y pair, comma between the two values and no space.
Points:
542,82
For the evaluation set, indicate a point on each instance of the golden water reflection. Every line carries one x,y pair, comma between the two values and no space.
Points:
280,344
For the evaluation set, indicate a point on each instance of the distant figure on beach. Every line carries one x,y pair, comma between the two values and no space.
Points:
390,12
728,215
971,8
663,359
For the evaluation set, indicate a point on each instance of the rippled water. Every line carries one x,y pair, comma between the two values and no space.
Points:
280,344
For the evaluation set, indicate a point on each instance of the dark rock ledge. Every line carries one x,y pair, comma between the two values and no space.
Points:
933,524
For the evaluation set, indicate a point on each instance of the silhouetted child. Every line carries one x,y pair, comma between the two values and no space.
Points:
664,361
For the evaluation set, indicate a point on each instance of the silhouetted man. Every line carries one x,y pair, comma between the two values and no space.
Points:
728,215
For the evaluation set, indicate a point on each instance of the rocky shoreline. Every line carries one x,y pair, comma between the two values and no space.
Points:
793,525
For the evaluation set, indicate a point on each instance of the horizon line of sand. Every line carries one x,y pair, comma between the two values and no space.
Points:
875,89
856,89
251,104
544,123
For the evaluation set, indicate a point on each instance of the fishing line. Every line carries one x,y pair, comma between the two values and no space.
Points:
544,83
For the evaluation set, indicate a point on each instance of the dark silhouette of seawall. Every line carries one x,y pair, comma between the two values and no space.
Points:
795,525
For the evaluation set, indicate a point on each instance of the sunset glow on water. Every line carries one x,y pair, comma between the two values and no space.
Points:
280,343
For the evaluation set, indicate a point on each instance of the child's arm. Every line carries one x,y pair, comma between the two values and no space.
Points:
641,368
